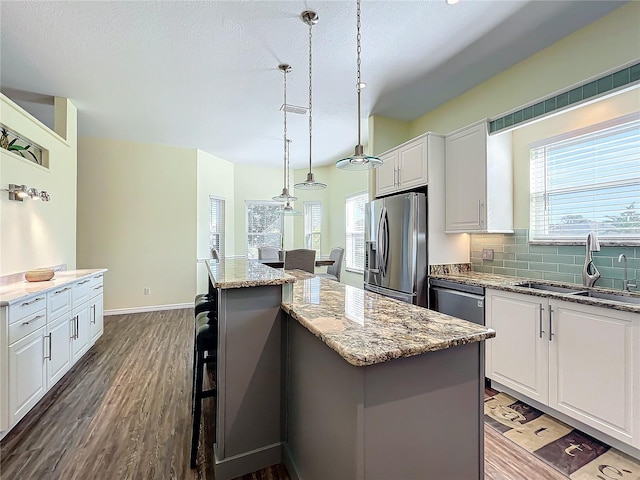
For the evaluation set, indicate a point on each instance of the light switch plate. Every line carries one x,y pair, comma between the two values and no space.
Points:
487,253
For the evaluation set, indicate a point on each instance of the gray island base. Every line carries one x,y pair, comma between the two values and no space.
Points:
413,418
342,384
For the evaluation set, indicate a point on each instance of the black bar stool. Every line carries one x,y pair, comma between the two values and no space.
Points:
205,349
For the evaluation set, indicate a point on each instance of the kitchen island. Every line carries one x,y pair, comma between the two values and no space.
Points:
339,383
380,389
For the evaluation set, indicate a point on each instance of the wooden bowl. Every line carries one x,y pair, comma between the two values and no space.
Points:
39,275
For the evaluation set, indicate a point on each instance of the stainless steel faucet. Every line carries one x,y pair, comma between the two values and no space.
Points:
590,273
625,282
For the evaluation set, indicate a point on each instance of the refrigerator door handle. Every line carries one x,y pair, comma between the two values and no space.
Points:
386,241
381,243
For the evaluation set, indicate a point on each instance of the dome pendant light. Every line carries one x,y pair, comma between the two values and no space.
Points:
310,18
285,196
288,208
359,161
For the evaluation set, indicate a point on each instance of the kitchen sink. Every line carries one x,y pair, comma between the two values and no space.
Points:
550,288
609,296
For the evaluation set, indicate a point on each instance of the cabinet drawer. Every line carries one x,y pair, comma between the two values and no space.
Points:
80,292
26,307
96,284
59,301
26,325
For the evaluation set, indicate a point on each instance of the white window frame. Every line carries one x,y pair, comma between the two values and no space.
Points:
310,231
352,233
610,175
216,225
276,205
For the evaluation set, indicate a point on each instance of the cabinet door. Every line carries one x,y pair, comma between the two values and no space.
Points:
59,348
27,374
518,355
412,165
594,364
465,179
81,331
386,175
97,318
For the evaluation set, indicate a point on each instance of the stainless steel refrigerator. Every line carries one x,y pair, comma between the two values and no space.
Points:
396,247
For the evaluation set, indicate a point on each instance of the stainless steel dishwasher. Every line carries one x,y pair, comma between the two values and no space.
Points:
457,299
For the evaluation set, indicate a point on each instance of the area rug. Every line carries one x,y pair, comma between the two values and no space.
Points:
573,453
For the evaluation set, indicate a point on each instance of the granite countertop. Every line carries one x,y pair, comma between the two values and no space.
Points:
16,291
244,273
365,328
510,284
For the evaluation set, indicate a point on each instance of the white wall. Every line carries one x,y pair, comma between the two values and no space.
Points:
213,178
137,216
37,234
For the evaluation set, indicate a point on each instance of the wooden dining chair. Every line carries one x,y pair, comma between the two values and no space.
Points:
300,259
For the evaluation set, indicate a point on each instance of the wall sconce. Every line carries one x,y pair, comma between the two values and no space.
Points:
19,192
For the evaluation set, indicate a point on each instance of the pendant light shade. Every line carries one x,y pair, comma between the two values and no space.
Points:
359,161
285,196
288,209
310,18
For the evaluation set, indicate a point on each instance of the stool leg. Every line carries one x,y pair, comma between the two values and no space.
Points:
193,381
195,433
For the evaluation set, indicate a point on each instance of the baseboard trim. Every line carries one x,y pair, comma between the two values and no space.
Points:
150,308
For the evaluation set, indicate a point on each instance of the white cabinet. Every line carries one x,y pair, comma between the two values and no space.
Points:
27,374
580,360
518,357
594,367
97,317
80,330
58,350
406,166
479,180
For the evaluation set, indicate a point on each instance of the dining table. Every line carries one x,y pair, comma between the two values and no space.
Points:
271,262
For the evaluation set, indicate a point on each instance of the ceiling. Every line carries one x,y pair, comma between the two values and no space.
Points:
204,74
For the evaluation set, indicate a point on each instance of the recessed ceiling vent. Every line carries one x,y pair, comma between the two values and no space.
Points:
294,109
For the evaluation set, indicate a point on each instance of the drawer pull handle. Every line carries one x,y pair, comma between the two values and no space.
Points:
98,287
63,290
37,317
99,276
32,301
83,282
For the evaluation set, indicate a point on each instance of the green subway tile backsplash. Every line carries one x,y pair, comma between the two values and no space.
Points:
600,86
550,262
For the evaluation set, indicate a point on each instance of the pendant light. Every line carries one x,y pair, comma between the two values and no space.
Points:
285,196
310,18
288,208
359,161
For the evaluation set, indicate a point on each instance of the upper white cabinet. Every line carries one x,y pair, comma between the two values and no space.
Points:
479,180
406,166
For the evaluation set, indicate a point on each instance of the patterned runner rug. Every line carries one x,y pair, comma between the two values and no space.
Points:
575,454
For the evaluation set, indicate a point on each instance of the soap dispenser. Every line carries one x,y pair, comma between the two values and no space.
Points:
590,273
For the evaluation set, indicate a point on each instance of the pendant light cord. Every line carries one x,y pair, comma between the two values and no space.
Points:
284,107
310,96
359,49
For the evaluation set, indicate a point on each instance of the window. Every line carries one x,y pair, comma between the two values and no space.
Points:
216,224
312,225
354,251
588,180
264,226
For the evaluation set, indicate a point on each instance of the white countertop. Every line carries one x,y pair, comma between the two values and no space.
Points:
14,292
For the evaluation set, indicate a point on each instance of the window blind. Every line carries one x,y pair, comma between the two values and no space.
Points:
264,225
354,246
312,225
216,224
585,181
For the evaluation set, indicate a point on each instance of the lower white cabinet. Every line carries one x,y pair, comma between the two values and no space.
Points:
27,374
518,357
580,360
97,317
594,373
58,350
81,330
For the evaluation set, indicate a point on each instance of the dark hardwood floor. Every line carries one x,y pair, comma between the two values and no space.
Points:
123,412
